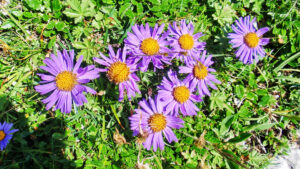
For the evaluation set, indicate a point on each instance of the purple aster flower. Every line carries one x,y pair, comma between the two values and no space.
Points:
175,94
199,73
120,71
184,41
5,134
153,120
148,44
248,40
65,80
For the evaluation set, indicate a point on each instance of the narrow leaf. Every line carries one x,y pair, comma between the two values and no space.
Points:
240,138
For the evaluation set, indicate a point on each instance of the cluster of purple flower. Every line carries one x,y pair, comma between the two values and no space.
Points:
160,115
144,45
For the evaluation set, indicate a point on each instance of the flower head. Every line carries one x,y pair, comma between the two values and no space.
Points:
199,73
152,119
147,44
248,40
184,41
65,81
5,134
120,71
178,95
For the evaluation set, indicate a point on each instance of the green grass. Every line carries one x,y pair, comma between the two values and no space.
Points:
252,117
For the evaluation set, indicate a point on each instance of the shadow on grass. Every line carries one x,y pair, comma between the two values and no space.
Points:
33,146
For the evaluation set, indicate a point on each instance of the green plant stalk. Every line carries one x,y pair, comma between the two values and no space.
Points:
290,70
157,160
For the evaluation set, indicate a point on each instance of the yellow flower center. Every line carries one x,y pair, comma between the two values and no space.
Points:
186,41
118,72
66,81
150,46
181,94
200,71
2,135
157,122
251,39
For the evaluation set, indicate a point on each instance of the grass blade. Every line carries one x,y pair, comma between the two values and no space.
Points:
286,62
117,117
292,79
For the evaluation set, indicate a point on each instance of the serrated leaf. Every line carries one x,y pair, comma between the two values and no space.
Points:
80,9
219,101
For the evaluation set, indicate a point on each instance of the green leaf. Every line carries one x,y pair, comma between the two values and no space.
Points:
88,49
50,25
139,8
264,126
267,100
124,8
224,14
259,127
7,24
17,13
51,43
226,123
79,10
155,2
55,6
244,112
211,137
239,91
156,8
34,4
240,138
252,81
218,100
60,26
96,24
251,96
284,113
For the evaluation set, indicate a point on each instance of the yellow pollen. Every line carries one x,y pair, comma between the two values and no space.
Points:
251,39
181,94
118,72
200,71
157,122
186,42
66,81
150,46
2,135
